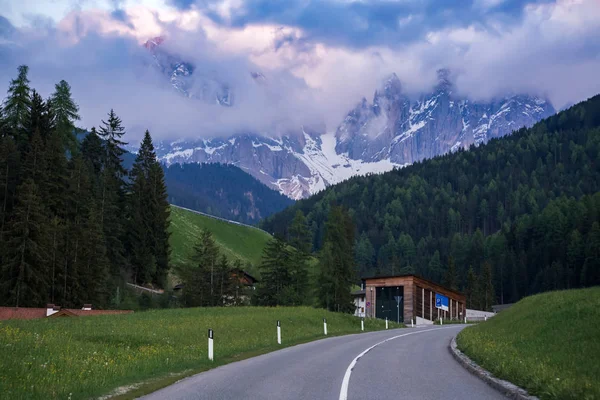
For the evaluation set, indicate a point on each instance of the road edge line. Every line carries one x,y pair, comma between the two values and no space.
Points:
346,381
505,387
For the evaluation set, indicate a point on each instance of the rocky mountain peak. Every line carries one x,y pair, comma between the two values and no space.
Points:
444,81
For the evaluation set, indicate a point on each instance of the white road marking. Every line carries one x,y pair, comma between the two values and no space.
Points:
346,381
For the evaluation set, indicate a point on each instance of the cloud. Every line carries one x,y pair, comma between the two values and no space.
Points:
111,70
360,24
319,57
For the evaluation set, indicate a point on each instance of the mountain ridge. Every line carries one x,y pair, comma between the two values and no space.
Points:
392,131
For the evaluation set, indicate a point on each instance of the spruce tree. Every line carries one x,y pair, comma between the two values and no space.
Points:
471,289
300,234
451,276
66,113
337,273
148,209
9,178
274,273
112,191
200,277
17,107
24,264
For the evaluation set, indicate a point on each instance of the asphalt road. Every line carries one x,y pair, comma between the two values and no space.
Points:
403,364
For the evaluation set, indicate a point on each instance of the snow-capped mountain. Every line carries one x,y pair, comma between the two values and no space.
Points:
402,131
391,131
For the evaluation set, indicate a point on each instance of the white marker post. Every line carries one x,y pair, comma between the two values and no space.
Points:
411,323
465,319
386,323
362,324
278,332
325,326
485,317
441,321
211,355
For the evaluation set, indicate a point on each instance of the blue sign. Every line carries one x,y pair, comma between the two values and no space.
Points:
441,302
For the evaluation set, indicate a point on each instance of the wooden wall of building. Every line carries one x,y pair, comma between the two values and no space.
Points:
419,297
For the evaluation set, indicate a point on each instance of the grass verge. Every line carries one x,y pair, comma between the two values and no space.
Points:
236,241
548,344
79,358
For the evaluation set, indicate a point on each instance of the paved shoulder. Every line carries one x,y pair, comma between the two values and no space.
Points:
413,366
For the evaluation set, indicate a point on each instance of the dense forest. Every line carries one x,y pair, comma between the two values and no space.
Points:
222,190
516,216
74,224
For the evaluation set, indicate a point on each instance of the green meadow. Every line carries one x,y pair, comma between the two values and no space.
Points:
88,357
235,241
548,344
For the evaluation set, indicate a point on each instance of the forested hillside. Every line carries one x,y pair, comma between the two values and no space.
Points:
514,217
74,224
222,190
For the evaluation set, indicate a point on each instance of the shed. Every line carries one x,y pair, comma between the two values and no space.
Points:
404,297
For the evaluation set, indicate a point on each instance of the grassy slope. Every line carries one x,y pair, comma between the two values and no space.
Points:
235,241
548,344
91,356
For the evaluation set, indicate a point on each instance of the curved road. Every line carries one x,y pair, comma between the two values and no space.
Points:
396,364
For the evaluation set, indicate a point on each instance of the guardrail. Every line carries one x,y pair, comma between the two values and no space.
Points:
221,219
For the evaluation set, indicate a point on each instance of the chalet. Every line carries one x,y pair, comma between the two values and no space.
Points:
244,278
53,311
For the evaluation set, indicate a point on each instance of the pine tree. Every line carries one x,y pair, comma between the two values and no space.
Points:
487,287
148,208
17,107
471,289
65,110
225,283
300,234
275,276
111,132
92,151
199,279
93,263
337,273
160,220
112,187
9,178
451,277
41,117
24,268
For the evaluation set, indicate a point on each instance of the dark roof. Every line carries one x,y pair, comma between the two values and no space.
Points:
358,293
21,313
247,275
414,276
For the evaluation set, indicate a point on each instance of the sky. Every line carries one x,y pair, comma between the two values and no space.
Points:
320,57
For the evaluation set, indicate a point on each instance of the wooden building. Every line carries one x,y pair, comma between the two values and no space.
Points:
403,297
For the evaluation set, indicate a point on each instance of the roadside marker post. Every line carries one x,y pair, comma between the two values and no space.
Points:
211,350
441,321
362,324
278,332
411,323
325,326
485,317
465,319
386,323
